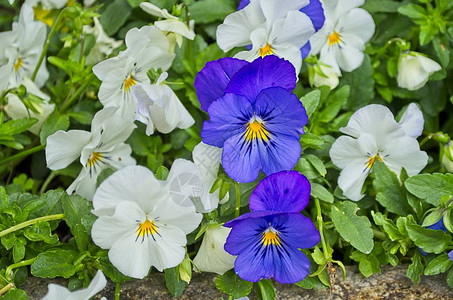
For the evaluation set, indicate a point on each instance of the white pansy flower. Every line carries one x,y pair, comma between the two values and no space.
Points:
343,37
446,156
99,149
139,223
211,256
375,135
147,48
16,109
414,70
58,292
208,159
328,77
21,49
159,107
47,4
271,27
173,26
104,45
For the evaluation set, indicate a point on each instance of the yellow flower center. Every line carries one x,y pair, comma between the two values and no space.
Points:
266,50
255,130
334,38
130,81
371,161
19,62
95,157
145,229
270,237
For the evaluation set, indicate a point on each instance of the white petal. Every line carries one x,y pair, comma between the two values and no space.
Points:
319,40
56,292
348,57
412,121
414,71
335,9
275,10
293,55
64,147
351,180
331,80
295,30
102,69
134,183
346,150
183,217
375,119
211,256
357,22
156,11
85,183
176,26
96,285
405,152
168,249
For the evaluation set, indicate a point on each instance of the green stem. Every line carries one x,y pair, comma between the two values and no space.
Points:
238,200
46,45
22,154
6,288
3,95
18,265
379,235
47,182
79,91
427,138
117,291
31,222
320,228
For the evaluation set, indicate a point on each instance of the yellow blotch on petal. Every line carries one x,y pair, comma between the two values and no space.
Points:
270,237
129,82
371,161
266,50
255,130
19,62
146,228
95,157
334,38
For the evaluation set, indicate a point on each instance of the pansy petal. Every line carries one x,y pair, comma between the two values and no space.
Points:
262,73
347,149
405,152
412,121
56,291
289,227
168,247
287,191
245,235
315,12
351,180
63,147
281,154
227,116
241,158
357,22
252,215
212,80
96,285
85,183
348,57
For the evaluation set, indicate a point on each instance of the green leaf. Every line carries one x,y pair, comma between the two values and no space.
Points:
362,81
389,192
52,124
8,240
441,46
438,265
207,11
388,225
15,294
431,187
40,232
317,163
320,192
162,173
18,250
450,277
431,241
413,11
311,140
265,290
13,127
54,263
427,33
415,269
311,283
387,6
229,283
334,104
174,284
115,15
83,117
354,229
369,265
4,200
311,101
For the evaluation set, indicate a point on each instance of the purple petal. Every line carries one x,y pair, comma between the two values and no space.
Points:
282,112
450,255
315,12
256,214
245,234
286,191
305,50
262,73
243,4
241,159
212,80
439,225
280,155
296,230
228,116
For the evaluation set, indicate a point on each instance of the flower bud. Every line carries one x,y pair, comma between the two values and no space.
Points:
414,70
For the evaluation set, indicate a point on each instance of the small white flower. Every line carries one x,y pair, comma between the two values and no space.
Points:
139,223
328,77
16,109
58,292
21,49
147,48
104,44
99,149
343,37
158,106
174,27
271,27
414,70
211,256
375,135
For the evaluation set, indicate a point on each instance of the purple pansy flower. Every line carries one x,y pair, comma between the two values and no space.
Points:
254,116
313,10
267,240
